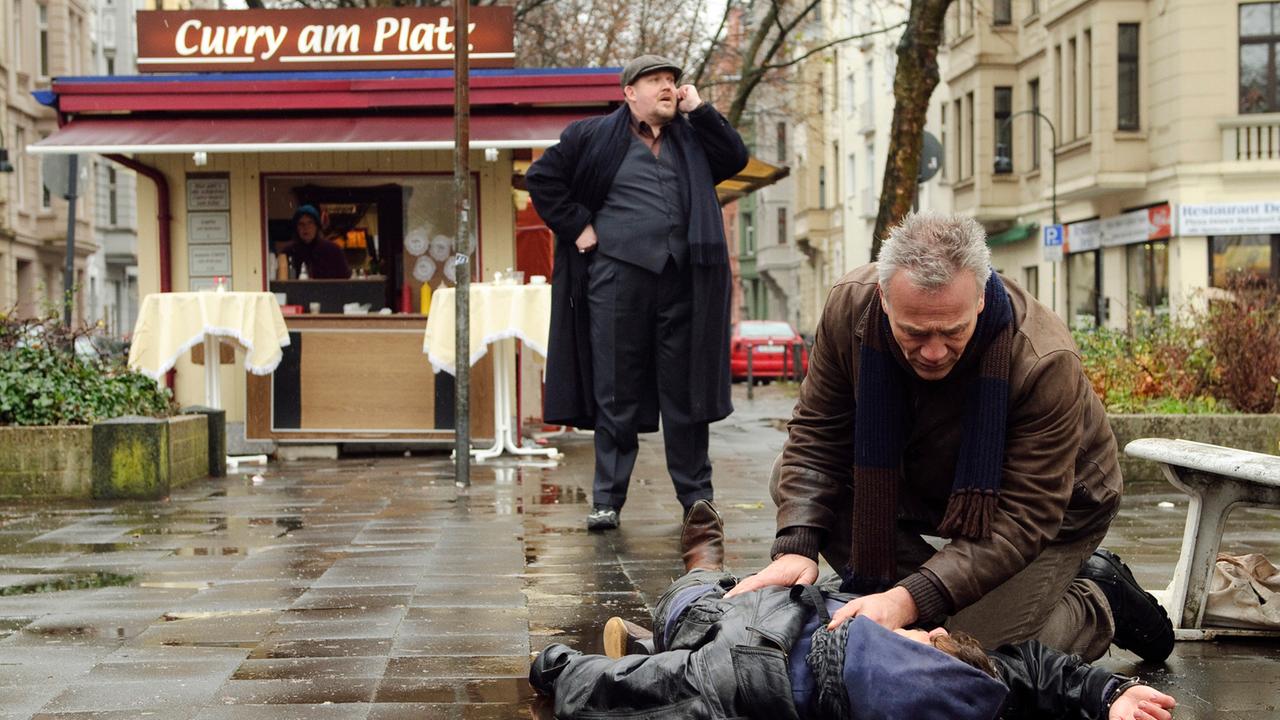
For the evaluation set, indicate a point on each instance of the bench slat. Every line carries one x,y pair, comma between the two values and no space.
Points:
1229,462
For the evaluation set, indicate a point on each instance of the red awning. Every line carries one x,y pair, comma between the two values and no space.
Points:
133,134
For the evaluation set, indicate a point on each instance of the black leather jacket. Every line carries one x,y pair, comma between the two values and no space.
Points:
728,658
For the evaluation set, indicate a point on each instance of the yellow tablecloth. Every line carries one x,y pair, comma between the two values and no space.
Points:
497,312
170,324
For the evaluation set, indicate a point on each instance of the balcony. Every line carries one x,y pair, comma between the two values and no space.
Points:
1250,137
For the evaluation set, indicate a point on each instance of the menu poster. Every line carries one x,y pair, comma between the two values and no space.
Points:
209,228
209,260
208,193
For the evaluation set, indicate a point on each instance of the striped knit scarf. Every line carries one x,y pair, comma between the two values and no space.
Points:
881,430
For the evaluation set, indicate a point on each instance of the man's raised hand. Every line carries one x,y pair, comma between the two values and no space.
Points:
786,570
688,98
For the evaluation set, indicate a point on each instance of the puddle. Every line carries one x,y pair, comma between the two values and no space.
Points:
86,581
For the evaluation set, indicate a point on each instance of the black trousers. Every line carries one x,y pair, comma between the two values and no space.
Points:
641,338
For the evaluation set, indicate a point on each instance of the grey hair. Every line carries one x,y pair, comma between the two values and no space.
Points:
932,247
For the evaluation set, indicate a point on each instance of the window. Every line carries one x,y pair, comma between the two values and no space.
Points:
1033,96
18,63
1031,280
1034,8
782,142
1084,289
835,170
782,226
1256,257
959,164
869,103
111,65
1149,277
1058,82
1069,76
46,197
852,174
1004,130
943,117
20,166
1127,77
1086,84
113,198
970,159
822,187
1259,45
42,25
1001,12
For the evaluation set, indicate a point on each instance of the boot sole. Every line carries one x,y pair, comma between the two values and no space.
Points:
615,638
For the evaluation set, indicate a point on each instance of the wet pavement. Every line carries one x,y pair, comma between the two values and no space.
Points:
373,588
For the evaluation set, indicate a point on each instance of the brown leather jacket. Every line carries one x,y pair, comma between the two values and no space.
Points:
1061,478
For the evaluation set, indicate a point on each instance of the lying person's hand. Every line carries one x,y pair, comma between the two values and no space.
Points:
787,570
1141,702
893,608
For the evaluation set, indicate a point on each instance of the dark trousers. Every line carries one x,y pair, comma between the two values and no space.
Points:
641,338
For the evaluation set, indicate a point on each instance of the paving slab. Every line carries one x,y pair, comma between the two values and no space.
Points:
373,588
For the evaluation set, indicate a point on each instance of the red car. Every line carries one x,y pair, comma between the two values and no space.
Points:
772,353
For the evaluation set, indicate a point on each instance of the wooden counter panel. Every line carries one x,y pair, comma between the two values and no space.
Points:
369,379
363,378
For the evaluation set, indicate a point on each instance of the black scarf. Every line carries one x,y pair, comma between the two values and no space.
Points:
880,433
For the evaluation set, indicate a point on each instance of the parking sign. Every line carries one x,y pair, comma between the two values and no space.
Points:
1053,237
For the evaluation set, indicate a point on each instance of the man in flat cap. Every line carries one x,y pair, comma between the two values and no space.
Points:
642,287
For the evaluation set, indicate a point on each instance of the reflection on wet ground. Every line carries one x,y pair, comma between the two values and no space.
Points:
373,588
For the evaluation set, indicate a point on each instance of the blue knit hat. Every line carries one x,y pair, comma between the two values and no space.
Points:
306,210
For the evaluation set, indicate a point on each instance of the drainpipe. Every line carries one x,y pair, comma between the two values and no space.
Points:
164,219
163,214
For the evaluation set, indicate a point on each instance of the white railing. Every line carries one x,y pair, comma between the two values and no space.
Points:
1250,137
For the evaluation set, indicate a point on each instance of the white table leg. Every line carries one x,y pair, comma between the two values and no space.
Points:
498,392
512,438
212,378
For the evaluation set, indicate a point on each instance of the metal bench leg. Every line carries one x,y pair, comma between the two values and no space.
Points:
1212,499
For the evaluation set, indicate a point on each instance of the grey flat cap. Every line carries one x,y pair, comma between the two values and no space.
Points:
646,64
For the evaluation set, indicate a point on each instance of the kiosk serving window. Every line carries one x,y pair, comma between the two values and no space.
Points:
397,235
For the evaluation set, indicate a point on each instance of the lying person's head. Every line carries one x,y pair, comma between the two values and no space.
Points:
961,646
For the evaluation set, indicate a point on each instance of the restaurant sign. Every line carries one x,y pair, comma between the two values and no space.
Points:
1135,226
307,39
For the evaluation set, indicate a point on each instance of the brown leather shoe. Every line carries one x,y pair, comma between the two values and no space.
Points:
702,538
622,637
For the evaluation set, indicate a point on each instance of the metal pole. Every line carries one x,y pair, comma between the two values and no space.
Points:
751,378
1053,147
462,199
69,274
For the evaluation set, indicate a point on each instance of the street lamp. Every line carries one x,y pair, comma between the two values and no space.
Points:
1005,163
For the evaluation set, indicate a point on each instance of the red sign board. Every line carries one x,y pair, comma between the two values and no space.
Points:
306,39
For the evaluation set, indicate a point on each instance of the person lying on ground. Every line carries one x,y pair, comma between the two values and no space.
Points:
769,654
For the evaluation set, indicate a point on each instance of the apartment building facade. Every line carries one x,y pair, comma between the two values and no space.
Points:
41,40
113,269
1149,130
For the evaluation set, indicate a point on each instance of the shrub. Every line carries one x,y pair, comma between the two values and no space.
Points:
1242,326
50,376
1221,355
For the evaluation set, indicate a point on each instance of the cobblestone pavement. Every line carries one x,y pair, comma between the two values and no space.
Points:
373,588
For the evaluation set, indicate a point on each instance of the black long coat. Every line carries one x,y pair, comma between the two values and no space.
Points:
568,185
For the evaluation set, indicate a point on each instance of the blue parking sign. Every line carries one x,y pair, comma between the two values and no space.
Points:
1053,237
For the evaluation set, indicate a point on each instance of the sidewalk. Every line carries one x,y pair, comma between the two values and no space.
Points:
373,588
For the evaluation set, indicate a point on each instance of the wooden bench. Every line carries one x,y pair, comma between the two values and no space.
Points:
1216,479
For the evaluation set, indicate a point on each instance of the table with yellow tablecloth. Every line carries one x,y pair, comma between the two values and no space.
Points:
170,324
500,314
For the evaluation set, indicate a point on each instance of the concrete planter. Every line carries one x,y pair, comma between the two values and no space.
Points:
1258,433
60,463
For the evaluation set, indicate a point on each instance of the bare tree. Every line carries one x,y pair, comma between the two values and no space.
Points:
913,85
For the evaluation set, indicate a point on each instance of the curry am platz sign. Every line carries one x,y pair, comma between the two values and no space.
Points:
306,39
